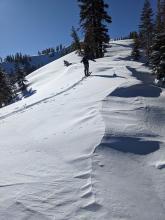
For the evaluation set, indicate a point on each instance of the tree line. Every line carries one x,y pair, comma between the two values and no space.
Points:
51,50
17,58
151,38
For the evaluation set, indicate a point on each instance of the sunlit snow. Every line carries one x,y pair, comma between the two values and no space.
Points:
84,148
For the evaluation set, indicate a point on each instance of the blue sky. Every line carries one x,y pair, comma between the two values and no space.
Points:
31,25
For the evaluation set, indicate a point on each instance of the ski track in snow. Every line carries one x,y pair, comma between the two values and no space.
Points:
92,148
42,101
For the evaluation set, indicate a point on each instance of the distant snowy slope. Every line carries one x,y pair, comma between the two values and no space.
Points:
85,148
35,62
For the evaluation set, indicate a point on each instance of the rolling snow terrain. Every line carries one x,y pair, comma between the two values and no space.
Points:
86,148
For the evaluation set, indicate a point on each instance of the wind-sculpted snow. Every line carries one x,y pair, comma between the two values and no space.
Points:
134,116
85,148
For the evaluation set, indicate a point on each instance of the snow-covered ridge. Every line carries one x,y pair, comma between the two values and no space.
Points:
85,148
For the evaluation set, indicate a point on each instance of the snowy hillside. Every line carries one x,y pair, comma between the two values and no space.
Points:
85,148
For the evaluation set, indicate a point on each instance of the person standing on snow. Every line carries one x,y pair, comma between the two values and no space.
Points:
85,61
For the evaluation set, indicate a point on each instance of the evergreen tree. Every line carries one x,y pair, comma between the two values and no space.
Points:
57,49
158,25
146,27
5,90
158,47
11,80
61,47
163,15
52,50
76,41
27,68
20,75
93,17
133,35
158,55
136,47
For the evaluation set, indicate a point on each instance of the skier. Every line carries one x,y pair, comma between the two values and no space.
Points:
85,61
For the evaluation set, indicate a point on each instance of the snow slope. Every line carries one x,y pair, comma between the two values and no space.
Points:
85,148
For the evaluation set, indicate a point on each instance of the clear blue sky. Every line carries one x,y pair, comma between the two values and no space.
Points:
31,25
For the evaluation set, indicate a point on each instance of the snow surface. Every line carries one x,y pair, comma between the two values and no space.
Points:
81,148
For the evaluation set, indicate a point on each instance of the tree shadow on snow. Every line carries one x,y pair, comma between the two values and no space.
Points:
28,92
102,69
130,145
144,77
127,58
145,89
108,76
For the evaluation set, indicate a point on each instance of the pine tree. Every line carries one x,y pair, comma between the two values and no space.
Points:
61,47
133,35
76,41
136,46
20,75
158,46
163,15
158,25
5,90
57,49
27,68
93,17
11,79
158,55
146,28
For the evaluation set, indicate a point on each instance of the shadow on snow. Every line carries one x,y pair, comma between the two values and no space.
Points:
28,92
130,144
145,89
108,76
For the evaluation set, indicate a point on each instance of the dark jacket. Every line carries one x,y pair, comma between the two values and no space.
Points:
85,60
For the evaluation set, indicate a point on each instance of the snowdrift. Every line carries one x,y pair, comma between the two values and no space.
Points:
85,148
